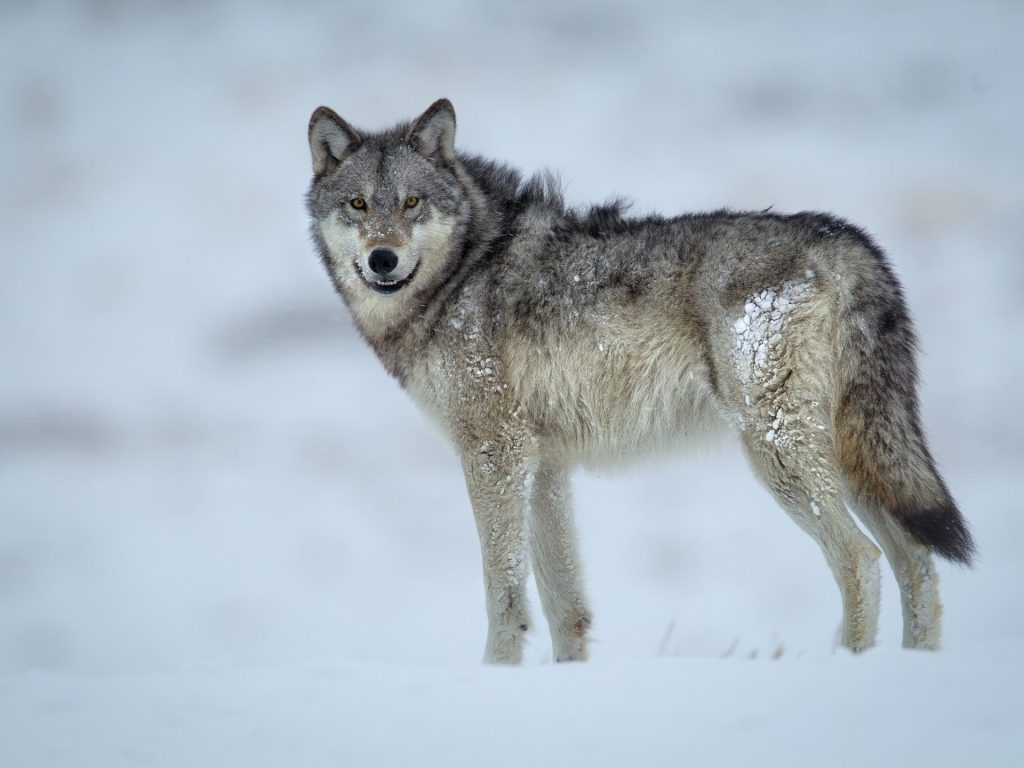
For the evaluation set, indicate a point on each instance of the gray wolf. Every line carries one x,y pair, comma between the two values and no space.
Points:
542,337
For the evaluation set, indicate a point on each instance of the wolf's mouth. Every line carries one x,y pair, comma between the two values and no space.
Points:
387,287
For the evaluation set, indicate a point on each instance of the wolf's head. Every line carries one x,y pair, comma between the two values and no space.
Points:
388,209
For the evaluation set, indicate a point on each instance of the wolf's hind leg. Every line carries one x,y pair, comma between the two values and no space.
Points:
556,562
915,575
793,457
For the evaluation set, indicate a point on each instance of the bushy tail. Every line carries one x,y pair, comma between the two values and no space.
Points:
880,442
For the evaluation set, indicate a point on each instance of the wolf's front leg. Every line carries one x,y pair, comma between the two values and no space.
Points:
556,561
497,472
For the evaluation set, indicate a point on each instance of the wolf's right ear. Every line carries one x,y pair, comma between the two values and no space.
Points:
331,140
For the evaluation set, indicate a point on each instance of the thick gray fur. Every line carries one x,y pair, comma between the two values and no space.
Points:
541,338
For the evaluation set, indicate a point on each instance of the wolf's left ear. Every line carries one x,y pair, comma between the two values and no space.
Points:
331,140
433,133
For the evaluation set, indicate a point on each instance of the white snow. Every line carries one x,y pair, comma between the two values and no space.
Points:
758,332
214,552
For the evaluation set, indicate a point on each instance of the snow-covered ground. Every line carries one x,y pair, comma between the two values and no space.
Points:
201,562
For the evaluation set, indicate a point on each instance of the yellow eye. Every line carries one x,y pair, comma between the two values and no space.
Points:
411,201
358,203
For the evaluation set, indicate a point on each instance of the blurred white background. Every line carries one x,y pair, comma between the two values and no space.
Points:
192,435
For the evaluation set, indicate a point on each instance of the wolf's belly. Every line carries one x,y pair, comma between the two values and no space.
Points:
603,396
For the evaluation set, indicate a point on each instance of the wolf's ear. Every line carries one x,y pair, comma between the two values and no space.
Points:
331,140
433,133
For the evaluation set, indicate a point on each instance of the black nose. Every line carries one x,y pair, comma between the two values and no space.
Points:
383,261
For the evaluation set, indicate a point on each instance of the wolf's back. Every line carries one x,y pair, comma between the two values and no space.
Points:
880,442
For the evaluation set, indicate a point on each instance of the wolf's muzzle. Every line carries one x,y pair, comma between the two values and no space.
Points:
381,264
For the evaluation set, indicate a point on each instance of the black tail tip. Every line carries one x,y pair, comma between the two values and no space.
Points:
943,531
